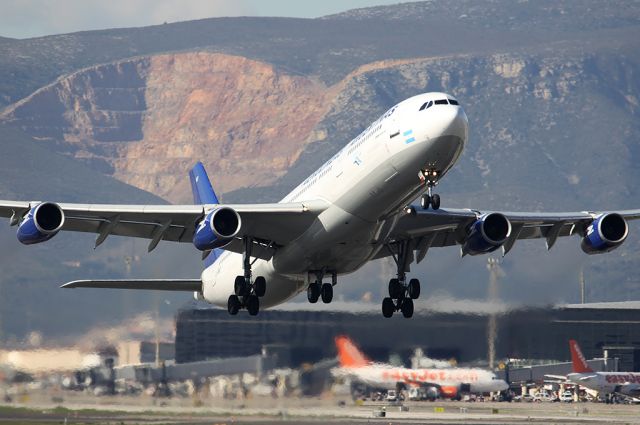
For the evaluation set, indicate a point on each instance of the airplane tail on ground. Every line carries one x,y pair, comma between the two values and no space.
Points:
203,193
577,358
348,353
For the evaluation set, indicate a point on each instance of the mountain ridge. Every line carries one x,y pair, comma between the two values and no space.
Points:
553,126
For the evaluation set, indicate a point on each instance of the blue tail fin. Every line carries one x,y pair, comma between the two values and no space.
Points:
201,186
203,193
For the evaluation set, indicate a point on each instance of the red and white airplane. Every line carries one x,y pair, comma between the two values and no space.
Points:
447,383
626,383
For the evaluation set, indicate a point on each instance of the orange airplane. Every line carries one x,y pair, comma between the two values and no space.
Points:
446,383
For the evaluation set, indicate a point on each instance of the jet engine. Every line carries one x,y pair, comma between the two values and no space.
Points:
487,234
217,229
604,234
41,223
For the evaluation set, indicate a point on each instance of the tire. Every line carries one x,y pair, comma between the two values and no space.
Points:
240,286
407,307
233,305
414,289
327,293
260,286
313,293
388,307
395,290
253,305
435,201
425,200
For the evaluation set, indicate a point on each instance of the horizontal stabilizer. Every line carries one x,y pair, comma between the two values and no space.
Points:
188,285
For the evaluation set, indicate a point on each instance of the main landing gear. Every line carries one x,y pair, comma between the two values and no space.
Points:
401,292
317,289
247,294
431,179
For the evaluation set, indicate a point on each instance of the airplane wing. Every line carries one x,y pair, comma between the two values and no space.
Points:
189,285
556,378
426,229
270,225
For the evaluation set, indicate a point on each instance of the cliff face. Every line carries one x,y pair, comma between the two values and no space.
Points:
146,121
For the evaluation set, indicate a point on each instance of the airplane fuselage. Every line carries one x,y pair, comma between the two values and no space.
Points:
369,180
450,381
608,382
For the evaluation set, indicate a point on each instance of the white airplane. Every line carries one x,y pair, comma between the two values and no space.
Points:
354,209
607,383
446,383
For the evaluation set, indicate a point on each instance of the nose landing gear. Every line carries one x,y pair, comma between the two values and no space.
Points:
430,177
247,294
401,292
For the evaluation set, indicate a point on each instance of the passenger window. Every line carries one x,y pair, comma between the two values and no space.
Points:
453,102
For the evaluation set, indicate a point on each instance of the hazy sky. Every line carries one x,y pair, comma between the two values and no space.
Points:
33,18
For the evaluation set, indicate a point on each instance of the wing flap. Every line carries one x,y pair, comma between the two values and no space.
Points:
188,285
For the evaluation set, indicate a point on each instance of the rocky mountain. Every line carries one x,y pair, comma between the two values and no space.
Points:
551,89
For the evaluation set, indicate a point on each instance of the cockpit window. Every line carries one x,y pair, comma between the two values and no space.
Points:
426,105
441,102
453,102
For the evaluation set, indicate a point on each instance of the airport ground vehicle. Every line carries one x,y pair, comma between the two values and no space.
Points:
392,395
566,397
526,398
416,394
544,396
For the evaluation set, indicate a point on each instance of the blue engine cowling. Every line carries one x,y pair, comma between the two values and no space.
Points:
217,229
487,234
41,223
604,234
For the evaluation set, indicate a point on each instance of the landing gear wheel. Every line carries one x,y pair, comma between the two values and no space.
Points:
435,201
407,307
414,289
395,289
253,304
233,305
240,286
388,307
327,293
425,200
260,286
313,292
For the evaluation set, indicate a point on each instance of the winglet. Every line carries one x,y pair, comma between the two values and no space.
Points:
348,353
577,358
203,192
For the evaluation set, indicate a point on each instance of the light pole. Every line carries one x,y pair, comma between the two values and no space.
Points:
495,272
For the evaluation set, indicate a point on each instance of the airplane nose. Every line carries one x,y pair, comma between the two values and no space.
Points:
450,121
458,123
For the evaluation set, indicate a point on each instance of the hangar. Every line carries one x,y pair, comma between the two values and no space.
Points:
305,335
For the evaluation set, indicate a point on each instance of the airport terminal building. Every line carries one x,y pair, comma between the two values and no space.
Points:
609,330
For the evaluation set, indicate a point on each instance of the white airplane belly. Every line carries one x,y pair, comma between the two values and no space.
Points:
337,241
218,281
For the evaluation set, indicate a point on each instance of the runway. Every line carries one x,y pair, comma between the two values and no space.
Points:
315,411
